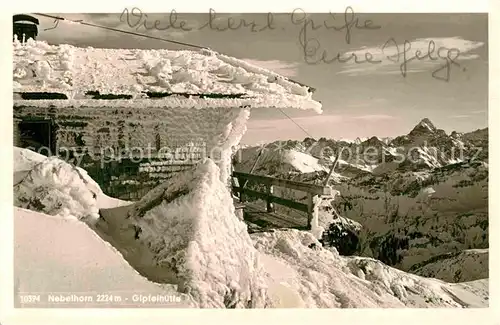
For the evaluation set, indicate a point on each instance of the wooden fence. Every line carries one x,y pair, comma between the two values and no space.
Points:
312,190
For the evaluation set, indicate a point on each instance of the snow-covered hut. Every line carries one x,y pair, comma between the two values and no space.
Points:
128,111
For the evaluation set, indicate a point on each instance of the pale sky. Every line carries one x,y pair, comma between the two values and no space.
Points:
359,100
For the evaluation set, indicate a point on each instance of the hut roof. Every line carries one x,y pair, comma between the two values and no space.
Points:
164,78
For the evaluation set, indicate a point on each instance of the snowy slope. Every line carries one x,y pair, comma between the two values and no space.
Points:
283,159
304,163
59,256
274,160
467,265
301,273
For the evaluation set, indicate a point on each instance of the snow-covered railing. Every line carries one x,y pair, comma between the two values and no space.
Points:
312,191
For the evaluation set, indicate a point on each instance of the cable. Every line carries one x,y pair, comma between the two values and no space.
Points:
120,31
300,127
57,18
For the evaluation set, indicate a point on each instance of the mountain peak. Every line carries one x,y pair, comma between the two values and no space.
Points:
373,141
425,126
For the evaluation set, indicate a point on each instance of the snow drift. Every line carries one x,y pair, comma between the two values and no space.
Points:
52,186
53,255
189,228
55,187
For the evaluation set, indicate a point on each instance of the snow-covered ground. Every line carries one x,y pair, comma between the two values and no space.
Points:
62,257
301,273
188,230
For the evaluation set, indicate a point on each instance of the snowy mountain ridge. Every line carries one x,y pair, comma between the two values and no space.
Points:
425,147
430,203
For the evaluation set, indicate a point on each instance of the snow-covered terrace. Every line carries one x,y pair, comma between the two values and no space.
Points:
172,78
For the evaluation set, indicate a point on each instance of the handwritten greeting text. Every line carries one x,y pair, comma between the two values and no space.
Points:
404,57
137,19
311,48
313,53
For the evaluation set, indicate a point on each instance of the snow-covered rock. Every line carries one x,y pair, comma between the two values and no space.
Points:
57,188
54,187
406,223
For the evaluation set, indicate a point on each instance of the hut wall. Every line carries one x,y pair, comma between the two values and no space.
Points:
122,148
88,129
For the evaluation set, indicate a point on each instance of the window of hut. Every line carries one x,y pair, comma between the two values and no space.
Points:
37,135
